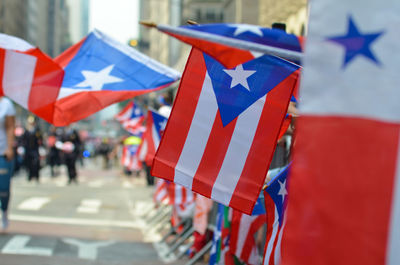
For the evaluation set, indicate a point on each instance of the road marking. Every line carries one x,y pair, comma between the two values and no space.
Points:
139,224
87,250
89,206
96,184
126,184
33,204
17,245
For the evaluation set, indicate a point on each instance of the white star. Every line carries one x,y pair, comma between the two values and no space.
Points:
282,190
241,28
137,111
239,76
96,80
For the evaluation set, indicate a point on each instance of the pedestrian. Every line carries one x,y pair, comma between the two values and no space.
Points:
32,141
7,124
70,148
53,154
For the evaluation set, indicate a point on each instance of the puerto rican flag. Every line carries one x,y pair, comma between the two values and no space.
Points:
131,118
344,205
155,126
243,32
224,125
130,111
243,230
100,71
129,158
275,196
26,74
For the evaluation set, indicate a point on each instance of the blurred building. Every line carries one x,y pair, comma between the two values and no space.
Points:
78,19
291,12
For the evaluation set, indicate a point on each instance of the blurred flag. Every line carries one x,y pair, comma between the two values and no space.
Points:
100,71
130,111
161,191
224,127
243,230
131,118
181,198
275,204
219,254
209,38
155,126
129,159
344,205
26,74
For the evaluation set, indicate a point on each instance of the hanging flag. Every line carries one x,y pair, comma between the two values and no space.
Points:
275,196
100,71
129,158
26,74
229,42
344,205
243,229
161,192
224,126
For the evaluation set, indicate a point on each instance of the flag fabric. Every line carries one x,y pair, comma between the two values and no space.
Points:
161,192
344,205
181,198
243,32
129,112
243,230
99,71
26,74
223,128
132,119
275,195
129,158
219,253
155,126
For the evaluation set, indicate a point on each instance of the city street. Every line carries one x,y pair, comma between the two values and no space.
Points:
97,221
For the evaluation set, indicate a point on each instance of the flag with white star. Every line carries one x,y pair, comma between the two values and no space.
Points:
224,126
344,205
99,71
243,32
275,195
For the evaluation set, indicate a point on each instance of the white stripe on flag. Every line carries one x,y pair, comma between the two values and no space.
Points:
244,227
277,254
156,139
18,76
198,135
143,151
178,194
271,241
394,231
236,155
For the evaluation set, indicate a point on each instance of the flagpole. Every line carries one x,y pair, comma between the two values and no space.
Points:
236,43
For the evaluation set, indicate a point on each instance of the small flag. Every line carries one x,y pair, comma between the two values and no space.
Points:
275,205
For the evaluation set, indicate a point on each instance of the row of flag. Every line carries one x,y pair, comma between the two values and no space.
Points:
228,114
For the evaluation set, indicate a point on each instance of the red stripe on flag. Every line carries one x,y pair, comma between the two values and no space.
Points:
47,81
341,191
256,167
213,156
228,56
82,104
250,242
178,126
2,57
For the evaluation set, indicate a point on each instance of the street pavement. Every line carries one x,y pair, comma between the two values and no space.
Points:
97,221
